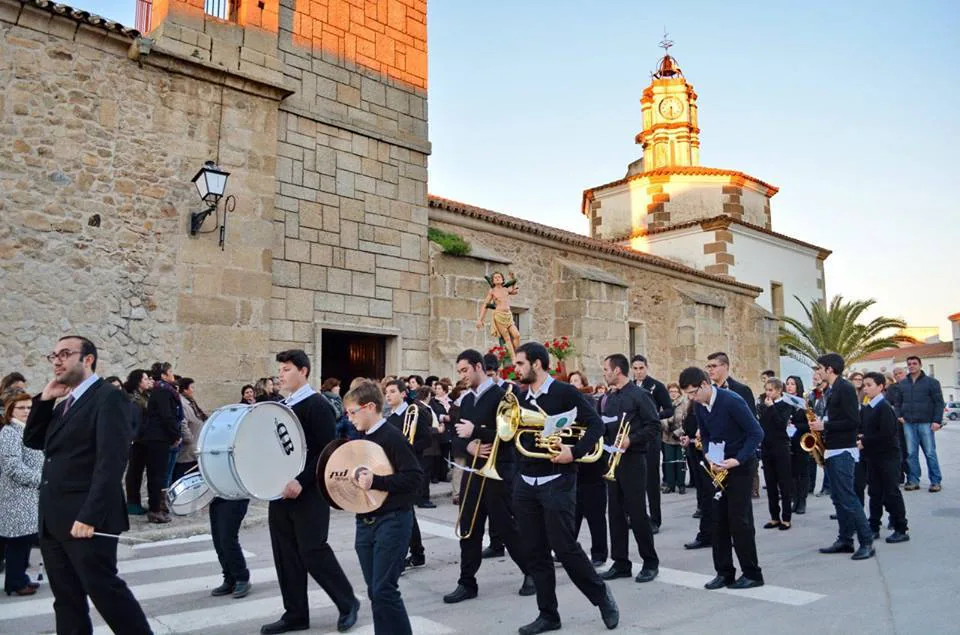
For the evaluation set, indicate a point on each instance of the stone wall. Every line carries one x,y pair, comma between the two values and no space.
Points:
96,156
350,226
595,298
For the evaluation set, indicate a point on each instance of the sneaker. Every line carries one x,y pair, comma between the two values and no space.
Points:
909,487
224,589
413,562
935,488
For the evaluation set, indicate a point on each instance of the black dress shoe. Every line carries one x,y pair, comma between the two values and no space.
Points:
898,536
833,516
698,513
528,587
801,508
346,621
838,547
876,535
427,505
646,575
697,544
492,552
863,552
655,527
413,561
609,611
539,625
615,572
460,594
718,583
743,582
282,626
224,589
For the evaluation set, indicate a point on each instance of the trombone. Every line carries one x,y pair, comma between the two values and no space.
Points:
489,470
622,433
410,422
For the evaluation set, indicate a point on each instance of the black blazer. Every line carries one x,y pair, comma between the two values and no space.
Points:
85,455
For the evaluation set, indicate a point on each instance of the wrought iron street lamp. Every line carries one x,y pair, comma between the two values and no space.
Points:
211,183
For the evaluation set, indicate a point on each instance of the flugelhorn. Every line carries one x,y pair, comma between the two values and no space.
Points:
410,418
717,476
812,441
623,432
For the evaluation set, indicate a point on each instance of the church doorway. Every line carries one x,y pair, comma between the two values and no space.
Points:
347,354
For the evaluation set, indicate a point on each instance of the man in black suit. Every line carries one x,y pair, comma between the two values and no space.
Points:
85,439
661,399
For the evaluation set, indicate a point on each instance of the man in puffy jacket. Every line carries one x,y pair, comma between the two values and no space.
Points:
921,413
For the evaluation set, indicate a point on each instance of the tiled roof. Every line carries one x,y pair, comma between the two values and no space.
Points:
690,170
954,317
722,219
576,240
82,17
923,351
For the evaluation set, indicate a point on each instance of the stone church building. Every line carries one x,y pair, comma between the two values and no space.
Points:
318,111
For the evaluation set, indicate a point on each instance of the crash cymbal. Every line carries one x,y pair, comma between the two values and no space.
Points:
339,475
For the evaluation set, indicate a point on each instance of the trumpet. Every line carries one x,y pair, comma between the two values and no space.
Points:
410,422
717,475
812,442
622,433
514,421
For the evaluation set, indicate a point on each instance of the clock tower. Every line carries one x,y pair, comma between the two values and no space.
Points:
670,135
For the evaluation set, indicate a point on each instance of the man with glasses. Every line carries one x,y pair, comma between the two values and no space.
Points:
921,413
718,368
85,439
730,434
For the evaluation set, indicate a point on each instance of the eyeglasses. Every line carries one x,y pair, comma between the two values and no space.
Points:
63,355
692,393
353,411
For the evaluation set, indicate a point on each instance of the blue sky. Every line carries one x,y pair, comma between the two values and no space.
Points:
849,107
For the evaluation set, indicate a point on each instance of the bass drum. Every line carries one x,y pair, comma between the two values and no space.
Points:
251,451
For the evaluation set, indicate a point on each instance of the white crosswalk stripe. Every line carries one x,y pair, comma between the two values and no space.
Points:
170,561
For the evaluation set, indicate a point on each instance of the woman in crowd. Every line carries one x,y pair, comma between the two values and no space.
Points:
193,418
441,403
161,436
138,387
264,391
248,395
799,459
671,429
20,469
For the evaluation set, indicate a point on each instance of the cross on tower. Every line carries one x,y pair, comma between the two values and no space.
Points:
666,43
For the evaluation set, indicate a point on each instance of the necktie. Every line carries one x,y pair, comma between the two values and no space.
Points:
69,402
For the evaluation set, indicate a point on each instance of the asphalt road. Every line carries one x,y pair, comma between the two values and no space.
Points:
911,588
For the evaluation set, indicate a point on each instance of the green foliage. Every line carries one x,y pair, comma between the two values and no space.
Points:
450,243
835,328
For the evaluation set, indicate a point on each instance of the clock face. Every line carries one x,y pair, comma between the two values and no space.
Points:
671,107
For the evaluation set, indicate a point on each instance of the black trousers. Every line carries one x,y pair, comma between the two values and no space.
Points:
426,464
226,516
653,480
592,506
494,505
545,518
81,568
134,478
779,478
628,502
158,459
860,471
883,486
734,529
903,452
800,468
298,535
416,540
705,492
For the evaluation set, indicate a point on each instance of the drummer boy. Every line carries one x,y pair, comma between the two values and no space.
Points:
383,535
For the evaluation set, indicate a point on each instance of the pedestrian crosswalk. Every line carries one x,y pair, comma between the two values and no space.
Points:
172,582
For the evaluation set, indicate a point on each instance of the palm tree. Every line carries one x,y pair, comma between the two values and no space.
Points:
836,329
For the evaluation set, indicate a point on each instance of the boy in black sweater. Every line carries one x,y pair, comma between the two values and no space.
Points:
383,534
881,446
